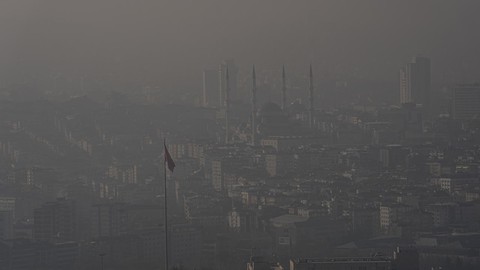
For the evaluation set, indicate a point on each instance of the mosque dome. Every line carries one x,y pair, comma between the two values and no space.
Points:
297,107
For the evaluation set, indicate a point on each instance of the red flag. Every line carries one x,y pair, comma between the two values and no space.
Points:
169,160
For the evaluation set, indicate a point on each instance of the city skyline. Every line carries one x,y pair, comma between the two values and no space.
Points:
366,40
223,134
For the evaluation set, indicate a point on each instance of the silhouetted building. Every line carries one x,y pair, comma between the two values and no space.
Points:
406,258
466,101
109,219
23,254
415,82
284,89
254,107
7,215
365,222
391,214
311,116
261,263
279,163
242,220
55,221
272,121
126,174
393,156
366,263
227,106
186,245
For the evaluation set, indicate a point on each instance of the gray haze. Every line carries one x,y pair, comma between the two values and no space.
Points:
167,43
140,134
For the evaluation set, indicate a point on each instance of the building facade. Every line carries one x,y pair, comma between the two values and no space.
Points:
415,82
466,101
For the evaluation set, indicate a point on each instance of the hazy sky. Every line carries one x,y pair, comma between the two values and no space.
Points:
170,41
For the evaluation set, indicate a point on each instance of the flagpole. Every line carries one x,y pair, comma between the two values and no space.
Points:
165,207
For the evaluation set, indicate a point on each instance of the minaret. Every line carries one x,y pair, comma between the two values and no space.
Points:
284,90
227,107
254,106
312,106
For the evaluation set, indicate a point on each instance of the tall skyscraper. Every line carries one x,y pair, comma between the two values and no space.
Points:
312,101
211,92
284,89
215,84
466,101
415,82
254,106
227,107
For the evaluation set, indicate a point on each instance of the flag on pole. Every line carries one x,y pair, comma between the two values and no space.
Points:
168,159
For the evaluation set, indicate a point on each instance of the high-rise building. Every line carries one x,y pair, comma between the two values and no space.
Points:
466,101
415,82
20,253
311,116
215,84
55,221
284,89
109,219
254,106
227,107
7,214
242,220
211,92
186,245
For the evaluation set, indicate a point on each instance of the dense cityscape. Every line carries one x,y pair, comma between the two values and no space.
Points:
272,172
233,135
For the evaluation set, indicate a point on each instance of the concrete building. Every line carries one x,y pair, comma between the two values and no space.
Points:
279,163
311,116
27,254
366,263
126,174
443,213
286,143
456,184
186,245
217,175
365,222
109,219
466,101
406,258
7,217
261,263
415,82
390,214
242,220
55,221
393,156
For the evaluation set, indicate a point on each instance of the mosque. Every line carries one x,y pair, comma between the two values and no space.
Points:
271,119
